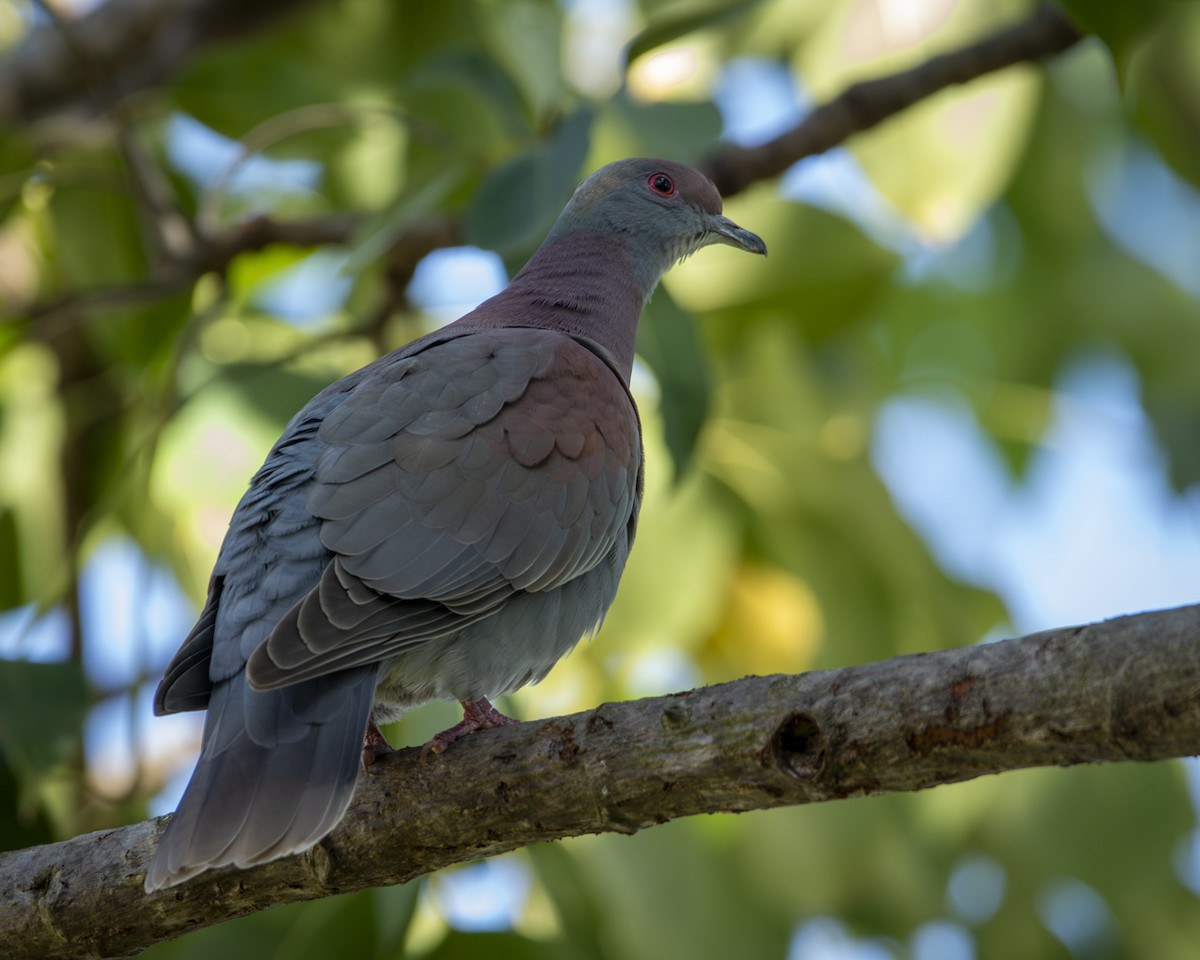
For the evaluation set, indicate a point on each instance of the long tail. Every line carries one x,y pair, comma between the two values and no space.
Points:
276,773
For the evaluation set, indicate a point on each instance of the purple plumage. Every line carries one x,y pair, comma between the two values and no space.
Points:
445,523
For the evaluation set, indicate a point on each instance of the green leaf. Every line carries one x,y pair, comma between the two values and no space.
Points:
42,708
953,171
325,53
12,592
393,909
97,229
17,159
1175,412
821,269
673,591
1165,89
458,945
140,340
20,825
960,146
520,199
338,926
1121,24
677,129
668,341
274,391
473,70
463,101
374,236
251,270
641,880
523,36
680,22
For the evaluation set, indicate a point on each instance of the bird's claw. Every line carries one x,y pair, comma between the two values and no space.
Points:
375,744
477,715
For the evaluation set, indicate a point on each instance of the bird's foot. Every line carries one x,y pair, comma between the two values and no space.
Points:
375,744
477,715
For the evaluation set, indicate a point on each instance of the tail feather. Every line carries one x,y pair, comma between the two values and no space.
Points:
276,772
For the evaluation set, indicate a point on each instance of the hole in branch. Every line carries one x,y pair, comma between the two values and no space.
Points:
798,746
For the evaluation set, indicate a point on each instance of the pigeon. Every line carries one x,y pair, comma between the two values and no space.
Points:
445,523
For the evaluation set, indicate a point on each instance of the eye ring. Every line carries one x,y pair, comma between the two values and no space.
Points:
661,184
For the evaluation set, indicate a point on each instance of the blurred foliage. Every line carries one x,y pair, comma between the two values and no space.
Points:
133,406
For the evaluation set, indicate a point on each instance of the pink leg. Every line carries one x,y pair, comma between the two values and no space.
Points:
477,715
375,744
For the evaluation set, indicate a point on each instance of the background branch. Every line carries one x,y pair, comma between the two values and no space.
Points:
137,44
1044,33
1127,689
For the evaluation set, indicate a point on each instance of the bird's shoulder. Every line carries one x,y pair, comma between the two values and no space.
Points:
460,380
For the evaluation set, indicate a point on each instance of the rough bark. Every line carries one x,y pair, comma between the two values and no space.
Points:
1126,689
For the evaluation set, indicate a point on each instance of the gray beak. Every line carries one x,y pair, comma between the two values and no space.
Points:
723,230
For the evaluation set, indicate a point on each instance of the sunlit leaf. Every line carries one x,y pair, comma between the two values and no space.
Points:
961,150
522,36
821,270
250,271
678,23
960,146
673,592
32,430
772,624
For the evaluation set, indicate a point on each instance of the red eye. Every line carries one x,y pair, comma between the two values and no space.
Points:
661,184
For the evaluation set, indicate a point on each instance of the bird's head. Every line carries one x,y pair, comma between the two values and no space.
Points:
663,210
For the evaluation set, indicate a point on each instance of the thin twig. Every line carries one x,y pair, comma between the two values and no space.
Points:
169,235
144,43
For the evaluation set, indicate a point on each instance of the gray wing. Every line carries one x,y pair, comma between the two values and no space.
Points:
502,462
277,768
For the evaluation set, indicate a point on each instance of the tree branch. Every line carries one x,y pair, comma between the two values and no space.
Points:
213,255
1126,689
136,44
1042,34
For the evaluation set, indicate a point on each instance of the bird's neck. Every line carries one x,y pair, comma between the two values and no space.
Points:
582,283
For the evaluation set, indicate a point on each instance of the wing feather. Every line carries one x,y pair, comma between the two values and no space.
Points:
500,462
